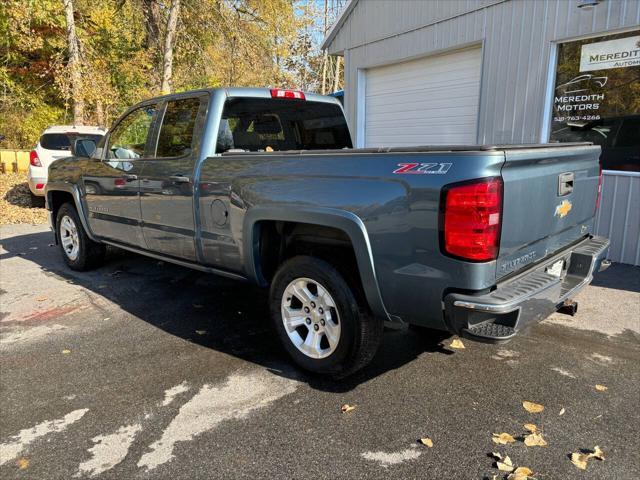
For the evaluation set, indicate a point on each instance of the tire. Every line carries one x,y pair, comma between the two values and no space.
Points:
78,250
358,334
36,201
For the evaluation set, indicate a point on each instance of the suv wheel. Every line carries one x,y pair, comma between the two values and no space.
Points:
78,250
318,318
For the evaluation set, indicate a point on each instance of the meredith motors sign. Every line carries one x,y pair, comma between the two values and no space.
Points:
621,53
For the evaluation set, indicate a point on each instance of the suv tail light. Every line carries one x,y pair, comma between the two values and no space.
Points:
471,219
599,192
33,159
291,94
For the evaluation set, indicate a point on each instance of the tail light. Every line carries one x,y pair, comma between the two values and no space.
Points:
290,94
33,159
599,195
471,219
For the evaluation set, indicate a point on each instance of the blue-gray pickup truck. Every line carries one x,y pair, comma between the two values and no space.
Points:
263,185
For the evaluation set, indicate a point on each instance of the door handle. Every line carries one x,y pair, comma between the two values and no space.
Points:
130,177
179,179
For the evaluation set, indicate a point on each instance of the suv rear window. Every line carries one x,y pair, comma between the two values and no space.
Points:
258,125
62,141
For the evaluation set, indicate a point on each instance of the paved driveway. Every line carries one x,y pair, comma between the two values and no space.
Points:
142,369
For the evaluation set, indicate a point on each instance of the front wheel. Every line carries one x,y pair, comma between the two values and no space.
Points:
78,250
319,320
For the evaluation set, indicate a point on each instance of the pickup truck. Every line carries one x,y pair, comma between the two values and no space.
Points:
263,185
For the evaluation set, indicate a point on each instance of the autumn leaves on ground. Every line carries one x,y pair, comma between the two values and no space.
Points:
15,201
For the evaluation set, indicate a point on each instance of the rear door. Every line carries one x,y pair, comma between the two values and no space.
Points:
549,202
166,187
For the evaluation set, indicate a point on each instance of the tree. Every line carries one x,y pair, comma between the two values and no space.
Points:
169,41
73,65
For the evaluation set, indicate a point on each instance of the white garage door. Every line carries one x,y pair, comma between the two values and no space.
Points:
427,101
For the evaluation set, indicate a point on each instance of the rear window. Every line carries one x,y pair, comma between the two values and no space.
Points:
62,141
259,125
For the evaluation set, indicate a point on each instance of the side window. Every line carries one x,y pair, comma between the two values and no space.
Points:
129,138
176,134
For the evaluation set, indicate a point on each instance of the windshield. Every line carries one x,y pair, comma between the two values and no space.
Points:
266,125
62,141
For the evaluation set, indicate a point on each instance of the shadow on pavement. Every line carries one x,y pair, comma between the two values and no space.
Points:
186,303
620,277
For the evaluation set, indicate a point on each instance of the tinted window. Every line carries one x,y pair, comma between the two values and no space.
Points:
253,124
62,141
129,138
176,134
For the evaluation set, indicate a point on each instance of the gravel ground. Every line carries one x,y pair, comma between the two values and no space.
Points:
15,201
145,370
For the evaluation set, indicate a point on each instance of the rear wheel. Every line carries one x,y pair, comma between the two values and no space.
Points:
78,250
319,320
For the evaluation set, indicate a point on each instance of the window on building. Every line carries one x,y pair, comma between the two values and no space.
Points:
597,97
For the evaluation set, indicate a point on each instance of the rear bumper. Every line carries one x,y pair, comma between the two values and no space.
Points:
34,182
528,298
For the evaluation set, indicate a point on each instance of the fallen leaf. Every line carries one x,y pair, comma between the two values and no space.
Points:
201,332
520,473
601,388
597,453
66,351
41,299
427,442
530,427
197,305
579,460
496,455
457,343
23,463
561,411
346,408
505,465
106,318
535,440
532,407
502,438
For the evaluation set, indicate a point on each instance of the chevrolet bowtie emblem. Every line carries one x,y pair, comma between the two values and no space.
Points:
563,209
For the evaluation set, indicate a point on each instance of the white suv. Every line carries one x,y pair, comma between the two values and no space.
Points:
54,143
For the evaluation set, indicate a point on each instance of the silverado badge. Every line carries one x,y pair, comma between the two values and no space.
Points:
563,209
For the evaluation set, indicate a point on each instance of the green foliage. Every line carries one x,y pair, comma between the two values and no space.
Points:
219,43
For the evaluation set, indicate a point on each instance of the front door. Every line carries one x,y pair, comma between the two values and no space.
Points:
166,186
111,183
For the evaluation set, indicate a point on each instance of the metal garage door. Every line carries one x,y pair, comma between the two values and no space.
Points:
427,101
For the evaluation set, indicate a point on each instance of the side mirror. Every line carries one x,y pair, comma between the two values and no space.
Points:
83,147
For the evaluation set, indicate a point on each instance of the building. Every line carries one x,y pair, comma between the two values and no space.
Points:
501,71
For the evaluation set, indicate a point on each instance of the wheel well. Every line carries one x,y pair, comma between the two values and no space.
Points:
279,240
56,200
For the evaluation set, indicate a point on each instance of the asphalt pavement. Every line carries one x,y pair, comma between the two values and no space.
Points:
142,369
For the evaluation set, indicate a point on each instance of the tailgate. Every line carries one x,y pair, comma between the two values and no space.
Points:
549,202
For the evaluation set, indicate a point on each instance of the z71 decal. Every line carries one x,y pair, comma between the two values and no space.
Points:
422,168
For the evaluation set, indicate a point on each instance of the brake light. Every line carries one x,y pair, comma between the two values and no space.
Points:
33,159
119,182
599,192
291,94
472,219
